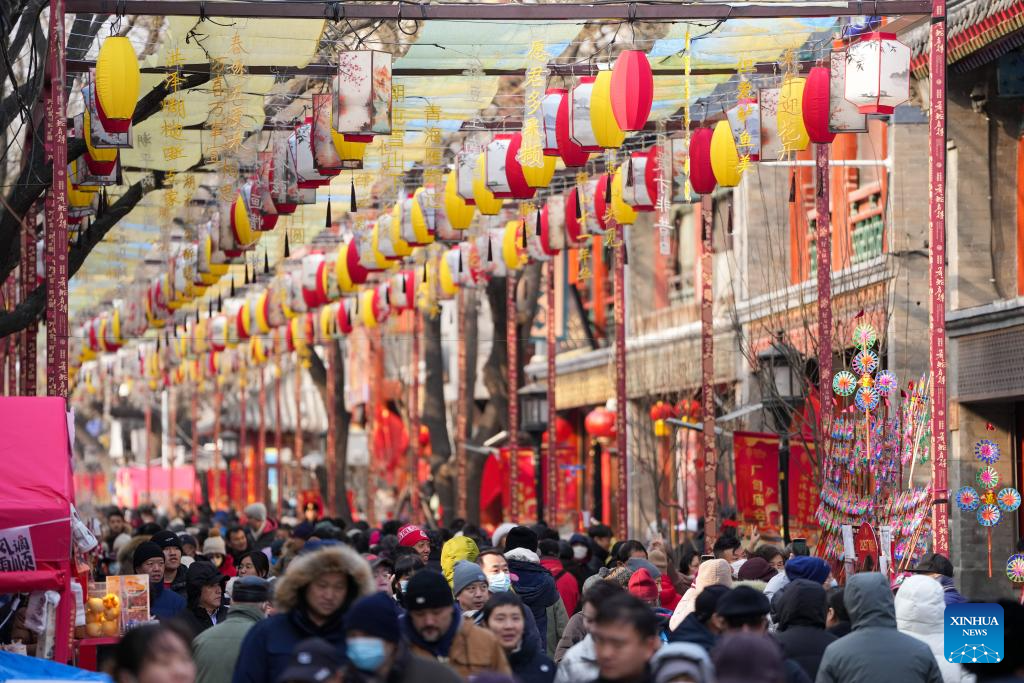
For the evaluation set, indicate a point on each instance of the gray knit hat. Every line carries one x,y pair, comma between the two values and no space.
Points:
465,573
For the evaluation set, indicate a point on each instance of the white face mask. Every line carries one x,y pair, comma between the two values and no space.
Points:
499,583
579,551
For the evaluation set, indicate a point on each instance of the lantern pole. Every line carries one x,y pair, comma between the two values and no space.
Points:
28,281
553,473
414,421
937,272
278,439
707,352
462,419
261,437
619,283
512,343
243,386
823,237
329,461
56,209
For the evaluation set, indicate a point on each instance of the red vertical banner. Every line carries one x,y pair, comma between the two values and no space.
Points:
148,421
28,283
554,471
414,421
757,485
462,418
243,432
512,344
261,438
709,454
297,454
621,442
937,272
218,404
279,440
56,210
330,461
13,340
823,237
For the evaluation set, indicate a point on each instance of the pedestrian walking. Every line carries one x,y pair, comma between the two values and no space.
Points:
216,649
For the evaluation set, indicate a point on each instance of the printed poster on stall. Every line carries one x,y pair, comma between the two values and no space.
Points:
16,554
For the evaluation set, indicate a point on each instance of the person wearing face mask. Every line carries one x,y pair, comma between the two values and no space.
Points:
215,551
434,626
376,651
505,616
405,568
499,580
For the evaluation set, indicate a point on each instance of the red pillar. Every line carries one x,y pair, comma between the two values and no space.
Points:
414,422
554,475
619,311
937,272
329,461
56,257
707,351
823,236
512,343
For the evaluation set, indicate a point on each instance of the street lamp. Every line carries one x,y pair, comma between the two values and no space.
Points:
228,451
533,412
784,396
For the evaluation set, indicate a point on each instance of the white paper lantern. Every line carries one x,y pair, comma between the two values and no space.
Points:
581,130
465,170
878,73
495,167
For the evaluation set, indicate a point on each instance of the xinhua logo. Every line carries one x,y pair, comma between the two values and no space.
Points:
973,632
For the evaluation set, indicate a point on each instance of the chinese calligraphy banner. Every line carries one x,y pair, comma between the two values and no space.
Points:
757,485
16,554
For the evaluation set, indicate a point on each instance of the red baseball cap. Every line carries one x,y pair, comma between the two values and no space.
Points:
410,534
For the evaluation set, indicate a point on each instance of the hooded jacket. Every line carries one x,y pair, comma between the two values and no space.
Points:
801,632
710,573
579,663
454,550
216,650
195,616
535,586
268,646
920,609
265,538
567,585
875,651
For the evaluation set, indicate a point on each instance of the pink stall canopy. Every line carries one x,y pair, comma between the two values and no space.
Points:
36,493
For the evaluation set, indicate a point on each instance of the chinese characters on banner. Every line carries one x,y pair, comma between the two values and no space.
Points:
392,148
16,554
433,154
531,153
757,485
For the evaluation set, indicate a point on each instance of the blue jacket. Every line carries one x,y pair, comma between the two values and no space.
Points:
164,604
535,585
267,648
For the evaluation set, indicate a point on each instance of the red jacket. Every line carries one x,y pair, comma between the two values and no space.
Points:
565,582
669,597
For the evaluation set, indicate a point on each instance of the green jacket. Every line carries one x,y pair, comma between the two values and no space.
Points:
216,649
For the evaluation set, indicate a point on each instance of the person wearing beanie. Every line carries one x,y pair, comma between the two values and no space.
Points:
262,528
216,649
215,550
312,599
498,537
682,662
535,585
148,559
756,570
469,586
206,606
699,628
411,536
455,550
710,573
643,586
435,629
376,650
174,573
189,545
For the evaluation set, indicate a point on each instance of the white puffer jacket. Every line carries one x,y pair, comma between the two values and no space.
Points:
579,663
920,607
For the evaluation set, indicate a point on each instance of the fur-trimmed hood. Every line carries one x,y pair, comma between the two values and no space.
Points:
305,569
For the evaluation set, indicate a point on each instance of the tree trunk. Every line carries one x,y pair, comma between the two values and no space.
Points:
474,461
434,415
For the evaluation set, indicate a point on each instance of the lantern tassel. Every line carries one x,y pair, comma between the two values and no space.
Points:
608,189
523,226
625,255
490,250
246,265
579,206
424,273
232,286
101,205
327,223
266,262
539,233
352,195
287,251
219,303
792,187
209,309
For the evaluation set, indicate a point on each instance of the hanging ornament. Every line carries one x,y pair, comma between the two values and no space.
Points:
789,118
725,160
486,202
877,73
459,213
632,90
573,156
117,83
702,174
815,105
607,133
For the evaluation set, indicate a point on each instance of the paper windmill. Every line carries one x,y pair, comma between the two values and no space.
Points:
986,451
989,515
885,382
867,398
967,499
1015,568
1008,499
988,478
865,362
844,383
864,336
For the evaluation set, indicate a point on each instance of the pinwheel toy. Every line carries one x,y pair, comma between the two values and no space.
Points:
1015,572
967,499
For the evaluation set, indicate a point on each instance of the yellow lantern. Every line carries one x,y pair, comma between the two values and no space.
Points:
446,278
602,120
485,200
366,308
256,351
345,283
419,220
623,213
347,150
460,214
380,261
117,78
104,156
245,319
259,312
78,199
327,315
244,233
510,242
402,248
540,176
725,160
790,117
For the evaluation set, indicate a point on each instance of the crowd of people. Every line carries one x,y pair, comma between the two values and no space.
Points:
250,600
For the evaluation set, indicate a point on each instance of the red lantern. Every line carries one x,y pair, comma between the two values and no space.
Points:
574,226
632,90
519,189
702,176
356,271
563,431
573,156
816,105
640,182
600,423
344,317
547,242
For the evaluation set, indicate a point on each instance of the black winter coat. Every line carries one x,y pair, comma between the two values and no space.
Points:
531,665
691,630
802,634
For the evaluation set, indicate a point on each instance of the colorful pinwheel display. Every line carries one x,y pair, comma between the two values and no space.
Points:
967,499
864,336
1008,499
986,451
865,362
1015,568
844,383
885,382
988,477
989,515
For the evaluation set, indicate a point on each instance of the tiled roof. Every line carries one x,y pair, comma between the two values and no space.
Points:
992,27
